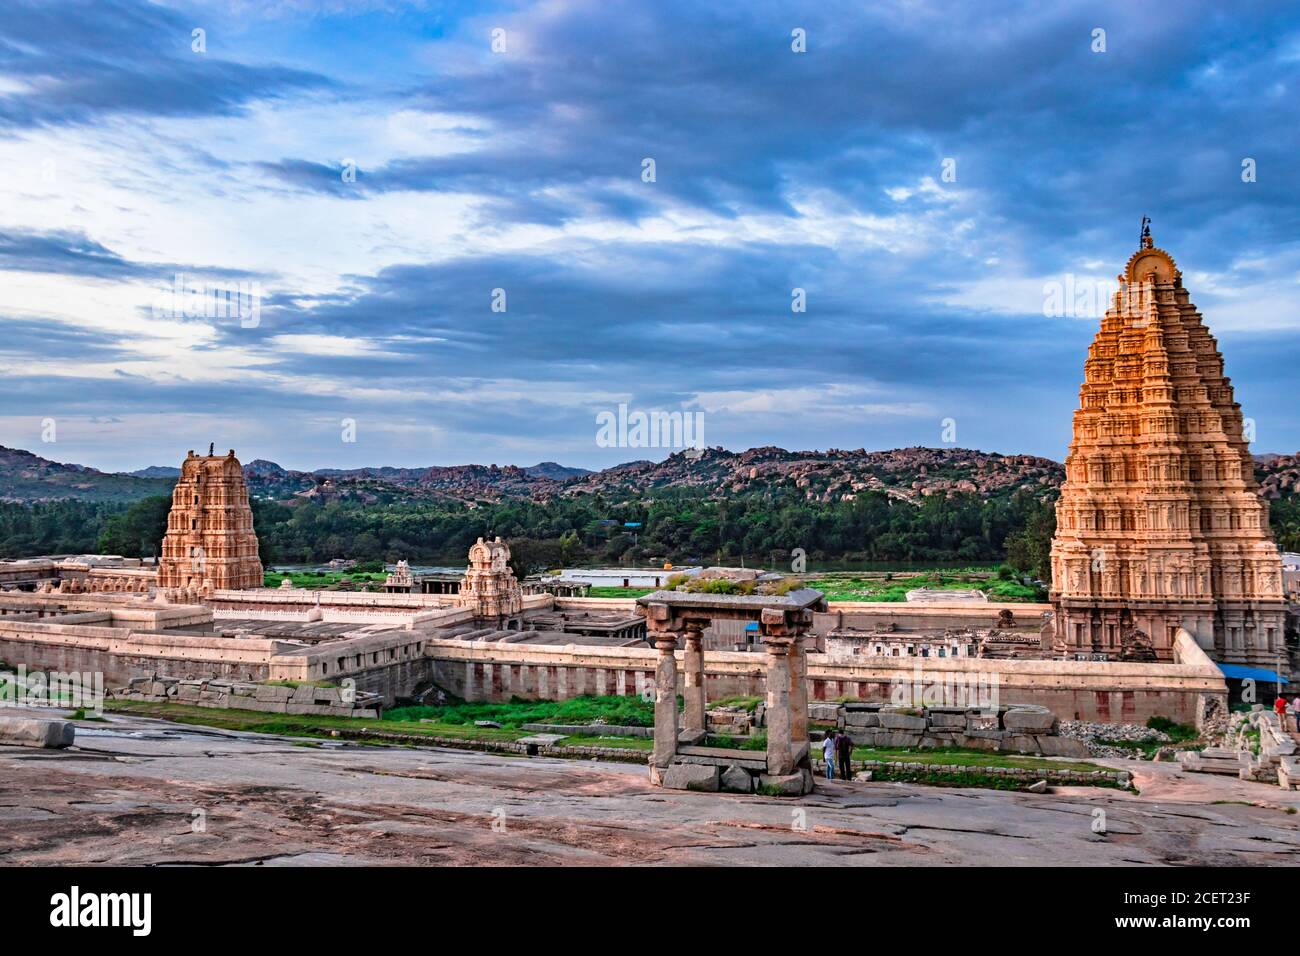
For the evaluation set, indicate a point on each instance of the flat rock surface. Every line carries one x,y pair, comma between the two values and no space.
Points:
140,791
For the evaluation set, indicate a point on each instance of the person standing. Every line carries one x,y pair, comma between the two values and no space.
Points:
844,754
828,754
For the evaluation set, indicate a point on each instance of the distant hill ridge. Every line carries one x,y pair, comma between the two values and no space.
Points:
909,474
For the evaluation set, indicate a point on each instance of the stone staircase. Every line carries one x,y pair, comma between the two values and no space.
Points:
1278,759
1211,760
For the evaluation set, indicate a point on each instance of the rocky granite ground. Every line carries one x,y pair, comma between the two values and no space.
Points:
136,791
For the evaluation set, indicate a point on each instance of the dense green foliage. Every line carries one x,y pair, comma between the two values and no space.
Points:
676,525
56,527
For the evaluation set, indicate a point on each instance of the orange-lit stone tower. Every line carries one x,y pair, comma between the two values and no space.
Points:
210,541
489,586
1159,525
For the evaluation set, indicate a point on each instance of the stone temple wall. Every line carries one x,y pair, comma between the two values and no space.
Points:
1072,690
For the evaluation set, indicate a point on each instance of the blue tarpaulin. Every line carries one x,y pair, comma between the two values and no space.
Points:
1259,675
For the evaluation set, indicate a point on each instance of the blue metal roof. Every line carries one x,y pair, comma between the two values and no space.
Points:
1260,675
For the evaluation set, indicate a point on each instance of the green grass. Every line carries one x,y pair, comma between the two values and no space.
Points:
888,588
749,703
987,781
604,592
311,726
629,711
617,743
321,579
956,756
301,725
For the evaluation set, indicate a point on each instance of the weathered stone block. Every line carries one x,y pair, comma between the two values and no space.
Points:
1054,746
274,692
688,776
897,738
1027,719
946,719
786,785
979,742
737,780
861,718
1020,743
823,712
906,722
35,732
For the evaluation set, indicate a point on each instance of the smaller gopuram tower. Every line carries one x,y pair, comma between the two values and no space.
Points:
490,587
210,542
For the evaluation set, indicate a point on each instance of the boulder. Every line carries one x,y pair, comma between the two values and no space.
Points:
1037,787
892,738
978,743
863,776
691,776
1029,719
736,780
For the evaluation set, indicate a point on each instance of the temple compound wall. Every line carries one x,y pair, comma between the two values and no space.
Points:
1073,690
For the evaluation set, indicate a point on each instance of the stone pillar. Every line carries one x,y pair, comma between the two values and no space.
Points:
780,758
693,664
665,747
798,694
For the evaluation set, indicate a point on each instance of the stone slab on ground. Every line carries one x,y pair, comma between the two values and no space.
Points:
36,732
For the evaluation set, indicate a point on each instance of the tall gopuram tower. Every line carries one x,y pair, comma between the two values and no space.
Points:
1159,525
210,541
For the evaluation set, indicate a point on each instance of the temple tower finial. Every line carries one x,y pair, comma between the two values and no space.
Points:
1144,238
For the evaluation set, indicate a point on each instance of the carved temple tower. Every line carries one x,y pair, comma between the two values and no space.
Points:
210,542
1159,524
490,587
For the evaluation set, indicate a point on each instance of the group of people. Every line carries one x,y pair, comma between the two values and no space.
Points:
837,751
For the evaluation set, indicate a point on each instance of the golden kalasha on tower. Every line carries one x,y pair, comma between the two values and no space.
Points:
1159,524
210,542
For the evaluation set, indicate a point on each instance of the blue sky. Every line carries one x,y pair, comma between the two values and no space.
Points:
128,157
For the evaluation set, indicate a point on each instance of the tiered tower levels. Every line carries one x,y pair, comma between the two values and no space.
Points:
210,542
1159,523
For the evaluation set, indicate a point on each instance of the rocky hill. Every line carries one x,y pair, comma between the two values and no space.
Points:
26,477
908,474
904,473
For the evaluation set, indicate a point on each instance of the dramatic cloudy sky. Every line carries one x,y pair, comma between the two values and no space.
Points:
126,157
